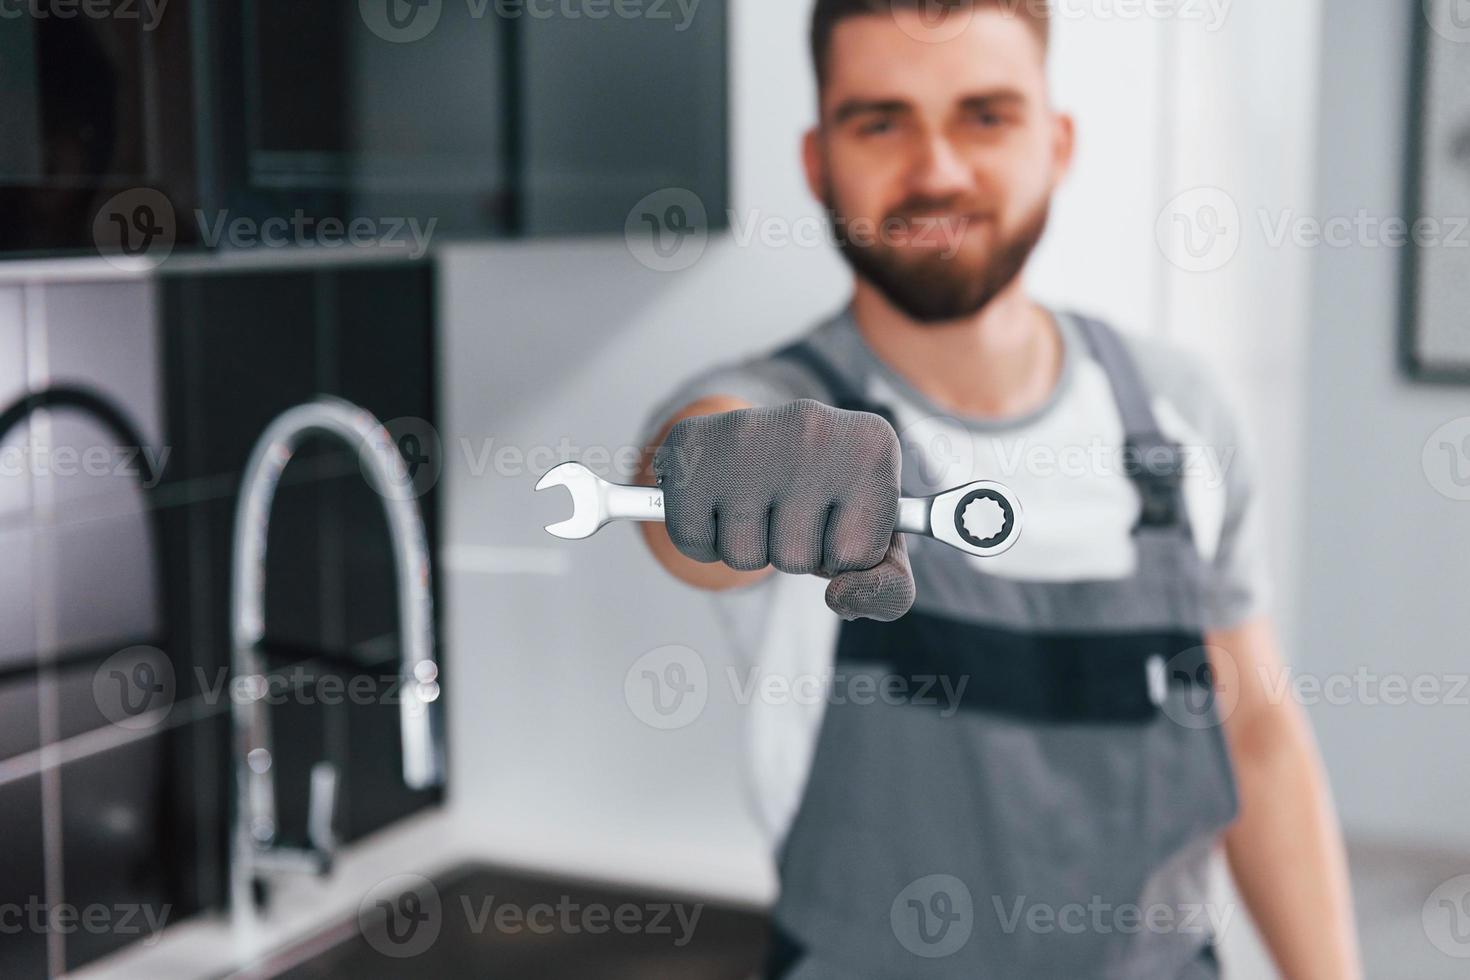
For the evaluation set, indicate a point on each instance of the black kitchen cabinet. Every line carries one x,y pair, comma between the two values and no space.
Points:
618,109
232,124
97,105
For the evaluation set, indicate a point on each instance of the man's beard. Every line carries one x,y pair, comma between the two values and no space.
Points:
936,287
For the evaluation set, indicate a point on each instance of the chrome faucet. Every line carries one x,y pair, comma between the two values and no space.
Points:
255,852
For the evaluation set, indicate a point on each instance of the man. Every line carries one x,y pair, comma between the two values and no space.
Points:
1069,730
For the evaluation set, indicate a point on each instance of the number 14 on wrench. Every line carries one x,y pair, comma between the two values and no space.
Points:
981,518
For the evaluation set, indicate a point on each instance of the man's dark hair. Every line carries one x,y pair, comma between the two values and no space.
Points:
829,13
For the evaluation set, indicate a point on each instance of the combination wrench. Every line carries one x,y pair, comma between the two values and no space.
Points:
981,518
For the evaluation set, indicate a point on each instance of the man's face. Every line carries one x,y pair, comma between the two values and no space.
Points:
937,160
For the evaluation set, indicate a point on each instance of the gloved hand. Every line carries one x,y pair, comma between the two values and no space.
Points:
803,487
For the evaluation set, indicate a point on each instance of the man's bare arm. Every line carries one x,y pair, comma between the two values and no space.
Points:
1286,851
714,576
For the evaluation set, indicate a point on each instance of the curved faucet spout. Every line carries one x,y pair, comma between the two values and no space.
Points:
383,465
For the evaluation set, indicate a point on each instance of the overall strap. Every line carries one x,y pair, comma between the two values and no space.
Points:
1151,461
843,394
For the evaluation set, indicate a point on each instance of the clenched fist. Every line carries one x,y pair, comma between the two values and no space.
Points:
802,487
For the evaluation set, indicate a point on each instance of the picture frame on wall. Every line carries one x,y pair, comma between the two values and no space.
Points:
1435,340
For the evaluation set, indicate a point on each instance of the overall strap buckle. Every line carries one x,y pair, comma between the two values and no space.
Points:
1156,469
1154,464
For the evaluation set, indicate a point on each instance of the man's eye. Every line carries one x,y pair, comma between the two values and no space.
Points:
983,118
877,127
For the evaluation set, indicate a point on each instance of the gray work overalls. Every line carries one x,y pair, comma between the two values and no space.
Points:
1060,823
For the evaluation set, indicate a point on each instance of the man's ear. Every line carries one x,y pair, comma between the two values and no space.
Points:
1064,143
814,164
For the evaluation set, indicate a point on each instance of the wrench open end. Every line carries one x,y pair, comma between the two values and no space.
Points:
589,500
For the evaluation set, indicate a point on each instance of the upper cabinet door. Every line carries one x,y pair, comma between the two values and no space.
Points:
379,111
92,109
615,108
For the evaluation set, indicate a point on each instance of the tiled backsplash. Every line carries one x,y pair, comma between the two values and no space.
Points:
114,783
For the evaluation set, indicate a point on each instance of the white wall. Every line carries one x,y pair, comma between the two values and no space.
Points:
1388,570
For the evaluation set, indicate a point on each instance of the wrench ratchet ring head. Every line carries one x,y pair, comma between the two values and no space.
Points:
948,512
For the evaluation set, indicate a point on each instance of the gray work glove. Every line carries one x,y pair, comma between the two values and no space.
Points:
803,487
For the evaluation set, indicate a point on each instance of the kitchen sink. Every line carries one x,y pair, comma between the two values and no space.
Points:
483,922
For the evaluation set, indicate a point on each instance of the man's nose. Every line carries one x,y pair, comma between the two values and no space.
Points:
940,171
